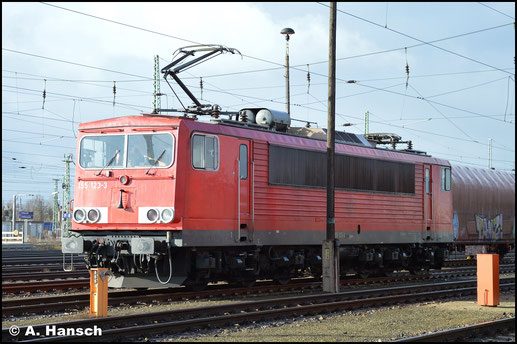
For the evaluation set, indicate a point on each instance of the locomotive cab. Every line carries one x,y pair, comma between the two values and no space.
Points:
125,217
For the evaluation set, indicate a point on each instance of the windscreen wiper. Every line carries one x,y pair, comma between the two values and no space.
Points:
109,163
156,161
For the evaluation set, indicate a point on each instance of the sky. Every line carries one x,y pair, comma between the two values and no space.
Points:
458,95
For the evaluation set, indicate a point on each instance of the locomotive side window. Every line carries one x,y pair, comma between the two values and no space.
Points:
145,150
243,161
97,151
205,152
445,177
306,168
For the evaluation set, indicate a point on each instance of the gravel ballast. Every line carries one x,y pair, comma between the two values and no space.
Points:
367,325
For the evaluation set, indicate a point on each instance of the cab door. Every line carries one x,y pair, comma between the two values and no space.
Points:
244,182
428,203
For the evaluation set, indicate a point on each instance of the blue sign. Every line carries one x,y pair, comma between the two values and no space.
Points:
26,215
47,226
67,215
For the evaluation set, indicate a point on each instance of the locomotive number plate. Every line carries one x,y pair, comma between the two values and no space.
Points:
92,185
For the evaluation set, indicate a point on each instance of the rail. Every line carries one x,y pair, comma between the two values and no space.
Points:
466,332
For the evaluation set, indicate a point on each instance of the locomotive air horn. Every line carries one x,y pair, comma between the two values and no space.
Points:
120,205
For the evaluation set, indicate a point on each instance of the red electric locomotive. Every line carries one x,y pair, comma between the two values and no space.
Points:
172,200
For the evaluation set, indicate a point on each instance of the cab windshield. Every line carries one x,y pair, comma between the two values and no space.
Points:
134,151
148,150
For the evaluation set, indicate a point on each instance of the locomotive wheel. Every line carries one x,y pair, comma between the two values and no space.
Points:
419,272
364,274
388,273
247,283
282,281
198,286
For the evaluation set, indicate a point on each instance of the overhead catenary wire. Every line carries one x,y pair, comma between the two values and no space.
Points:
133,106
397,93
260,59
419,40
87,82
466,88
429,101
493,9
415,76
507,98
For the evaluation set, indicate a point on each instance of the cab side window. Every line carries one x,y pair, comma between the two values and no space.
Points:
427,179
205,152
445,177
243,161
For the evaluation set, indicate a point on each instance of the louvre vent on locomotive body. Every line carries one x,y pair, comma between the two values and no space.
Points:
209,195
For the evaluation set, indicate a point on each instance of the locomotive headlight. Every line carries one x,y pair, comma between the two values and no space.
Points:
93,215
156,214
79,215
152,215
167,215
124,179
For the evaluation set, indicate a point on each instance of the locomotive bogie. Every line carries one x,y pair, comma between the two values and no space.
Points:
201,265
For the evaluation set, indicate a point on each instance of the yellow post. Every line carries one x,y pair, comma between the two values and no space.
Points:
99,292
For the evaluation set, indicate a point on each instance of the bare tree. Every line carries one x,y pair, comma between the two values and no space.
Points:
41,208
7,209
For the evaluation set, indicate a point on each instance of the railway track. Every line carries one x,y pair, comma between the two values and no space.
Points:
82,280
467,262
35,276
31,274
138,325
49,275
37,260
41,268
26,287
491,330
116,298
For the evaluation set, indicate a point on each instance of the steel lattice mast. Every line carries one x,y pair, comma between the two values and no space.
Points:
67,221
156,83
55,209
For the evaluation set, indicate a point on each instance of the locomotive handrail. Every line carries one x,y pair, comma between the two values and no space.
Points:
252,230
238,236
